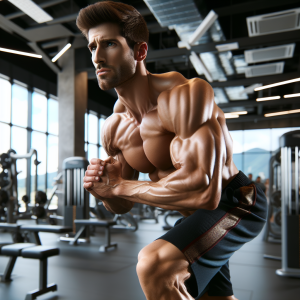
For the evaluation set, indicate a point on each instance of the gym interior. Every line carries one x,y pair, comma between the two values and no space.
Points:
57,241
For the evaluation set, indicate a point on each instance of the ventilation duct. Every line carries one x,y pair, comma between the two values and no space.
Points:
265,69
270,53
183,16
286,20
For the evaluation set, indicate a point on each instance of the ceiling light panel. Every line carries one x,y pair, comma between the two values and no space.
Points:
227,47
280,113
277,84
239,64
211,62
220,96
265,69
236,93
225,58
268,98
269,54
281,21
292,95
32,10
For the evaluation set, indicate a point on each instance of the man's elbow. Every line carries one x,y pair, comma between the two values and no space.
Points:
209,202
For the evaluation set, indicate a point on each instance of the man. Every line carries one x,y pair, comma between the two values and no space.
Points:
259,183
171,128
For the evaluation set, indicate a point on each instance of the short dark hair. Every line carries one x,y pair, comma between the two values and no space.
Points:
132,25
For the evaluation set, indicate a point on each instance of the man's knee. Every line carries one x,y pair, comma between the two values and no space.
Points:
148,262
158,261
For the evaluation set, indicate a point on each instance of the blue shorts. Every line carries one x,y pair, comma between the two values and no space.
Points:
208,238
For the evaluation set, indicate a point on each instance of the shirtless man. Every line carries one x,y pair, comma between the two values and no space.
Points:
171,128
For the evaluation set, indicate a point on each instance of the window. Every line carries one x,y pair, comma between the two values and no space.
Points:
29,119
92,135
252,149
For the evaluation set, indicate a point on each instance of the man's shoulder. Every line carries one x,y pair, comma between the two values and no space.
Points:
192,88
191,103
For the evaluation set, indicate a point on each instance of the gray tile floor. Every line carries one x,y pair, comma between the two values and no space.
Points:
83,273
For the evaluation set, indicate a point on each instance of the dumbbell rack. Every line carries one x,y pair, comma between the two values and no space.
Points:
290,218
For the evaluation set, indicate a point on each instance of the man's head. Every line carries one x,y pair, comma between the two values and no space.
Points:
118,37
250,176
258,179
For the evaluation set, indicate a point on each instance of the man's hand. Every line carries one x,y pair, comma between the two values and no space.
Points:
100,179
101,176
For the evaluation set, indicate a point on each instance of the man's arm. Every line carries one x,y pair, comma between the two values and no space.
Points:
96,169
197,152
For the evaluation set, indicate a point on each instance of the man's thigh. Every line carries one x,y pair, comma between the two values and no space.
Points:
164,252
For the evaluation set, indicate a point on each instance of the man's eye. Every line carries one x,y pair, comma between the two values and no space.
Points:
109,44
93,48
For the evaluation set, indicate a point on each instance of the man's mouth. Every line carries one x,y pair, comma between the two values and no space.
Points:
102,71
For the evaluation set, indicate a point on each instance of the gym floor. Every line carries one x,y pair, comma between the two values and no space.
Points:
82,272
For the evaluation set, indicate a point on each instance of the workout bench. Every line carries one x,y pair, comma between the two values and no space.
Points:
35,229
28,250
99,223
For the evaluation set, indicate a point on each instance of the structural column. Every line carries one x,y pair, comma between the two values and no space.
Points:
73,96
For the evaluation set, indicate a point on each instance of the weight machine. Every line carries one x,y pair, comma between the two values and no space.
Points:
290,218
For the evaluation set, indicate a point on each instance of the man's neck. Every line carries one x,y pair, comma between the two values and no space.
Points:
136,94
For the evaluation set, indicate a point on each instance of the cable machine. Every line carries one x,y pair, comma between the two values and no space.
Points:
290,220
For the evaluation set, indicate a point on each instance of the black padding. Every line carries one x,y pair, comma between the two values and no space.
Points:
40,252
9,226
15,249
47,228
101,223
4,244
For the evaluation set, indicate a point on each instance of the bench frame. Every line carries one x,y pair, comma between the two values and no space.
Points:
103,248
43,287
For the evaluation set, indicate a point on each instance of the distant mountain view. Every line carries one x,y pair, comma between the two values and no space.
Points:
255,161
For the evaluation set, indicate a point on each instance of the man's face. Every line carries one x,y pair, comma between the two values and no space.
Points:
111,56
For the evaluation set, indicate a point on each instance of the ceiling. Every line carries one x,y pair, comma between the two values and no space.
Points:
227,69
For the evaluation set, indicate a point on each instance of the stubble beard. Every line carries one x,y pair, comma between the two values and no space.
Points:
116,77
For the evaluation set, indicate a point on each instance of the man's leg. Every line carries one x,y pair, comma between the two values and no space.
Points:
162,270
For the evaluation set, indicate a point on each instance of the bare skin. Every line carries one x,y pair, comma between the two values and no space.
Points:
169,127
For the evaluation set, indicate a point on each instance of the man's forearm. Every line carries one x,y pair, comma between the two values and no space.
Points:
158,194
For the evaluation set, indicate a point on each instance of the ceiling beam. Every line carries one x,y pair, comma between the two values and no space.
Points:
244,43
64,19
251,6
253,103
46,59
253,80
42,5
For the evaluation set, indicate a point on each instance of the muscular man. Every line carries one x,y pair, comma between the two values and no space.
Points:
170,127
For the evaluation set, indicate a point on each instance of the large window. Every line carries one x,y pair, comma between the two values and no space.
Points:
93,144
29,120
252,149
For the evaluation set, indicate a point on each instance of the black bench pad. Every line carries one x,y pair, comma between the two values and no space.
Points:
101,223
4,244
47,228
9,226
15,249
40,252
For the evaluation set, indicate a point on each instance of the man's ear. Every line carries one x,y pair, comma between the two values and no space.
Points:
140,51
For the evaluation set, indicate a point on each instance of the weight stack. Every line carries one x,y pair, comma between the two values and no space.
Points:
290,210
76,198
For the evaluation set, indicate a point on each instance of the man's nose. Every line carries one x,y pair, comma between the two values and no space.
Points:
98,57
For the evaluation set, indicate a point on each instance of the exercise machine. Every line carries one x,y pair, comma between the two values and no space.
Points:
290,217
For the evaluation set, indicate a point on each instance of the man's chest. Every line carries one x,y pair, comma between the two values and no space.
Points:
145,147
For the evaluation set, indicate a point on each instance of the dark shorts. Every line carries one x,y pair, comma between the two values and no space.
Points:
208,238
